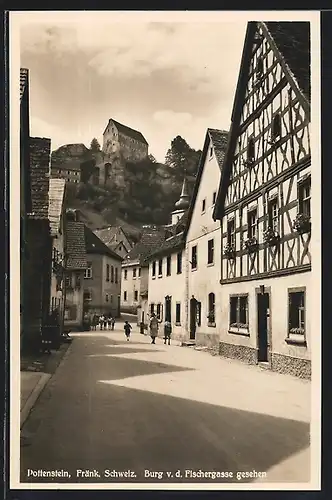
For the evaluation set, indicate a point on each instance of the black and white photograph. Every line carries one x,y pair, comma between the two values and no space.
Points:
165,238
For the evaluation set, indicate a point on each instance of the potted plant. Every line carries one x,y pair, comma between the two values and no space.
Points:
271,237
248,163
229,251
251,244
302,223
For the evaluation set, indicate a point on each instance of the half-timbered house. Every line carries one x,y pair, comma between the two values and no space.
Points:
263,203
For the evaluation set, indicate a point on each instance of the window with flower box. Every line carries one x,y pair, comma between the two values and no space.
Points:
273,215
305,197
296,316
231,233
238,314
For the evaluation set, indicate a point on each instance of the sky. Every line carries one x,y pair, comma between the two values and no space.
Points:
161,78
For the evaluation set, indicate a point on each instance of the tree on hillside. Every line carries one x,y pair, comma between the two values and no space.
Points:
182,157
94,145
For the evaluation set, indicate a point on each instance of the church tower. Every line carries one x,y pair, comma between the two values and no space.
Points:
182,204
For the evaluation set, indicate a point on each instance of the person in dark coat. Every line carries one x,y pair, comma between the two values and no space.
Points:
127,327
167,332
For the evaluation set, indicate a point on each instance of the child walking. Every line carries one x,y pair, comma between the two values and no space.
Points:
127,327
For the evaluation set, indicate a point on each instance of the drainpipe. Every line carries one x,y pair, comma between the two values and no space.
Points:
186,290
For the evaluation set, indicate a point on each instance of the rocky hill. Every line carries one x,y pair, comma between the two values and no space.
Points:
147,195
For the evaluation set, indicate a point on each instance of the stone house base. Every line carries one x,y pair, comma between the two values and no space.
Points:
280,363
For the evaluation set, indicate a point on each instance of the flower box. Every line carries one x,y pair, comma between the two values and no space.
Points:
229,251
271,237
302,224
251,244
240,328
249,163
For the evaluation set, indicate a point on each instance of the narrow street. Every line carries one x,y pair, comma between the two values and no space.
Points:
117,405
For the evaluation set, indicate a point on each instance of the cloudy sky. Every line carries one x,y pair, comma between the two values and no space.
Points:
162,78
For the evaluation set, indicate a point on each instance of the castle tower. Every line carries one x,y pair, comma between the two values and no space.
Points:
182,204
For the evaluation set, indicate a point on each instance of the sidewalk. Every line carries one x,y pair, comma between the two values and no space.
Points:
35,373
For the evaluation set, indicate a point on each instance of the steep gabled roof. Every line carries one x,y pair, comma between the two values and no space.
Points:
129,132
24,80
172,244
75,246
285,38
40,149
94,245
56,198
219,139
107,235
151,239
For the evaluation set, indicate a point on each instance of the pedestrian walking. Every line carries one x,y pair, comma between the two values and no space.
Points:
95,321
105,322
127,327
101,321
112,322
154,326
167,332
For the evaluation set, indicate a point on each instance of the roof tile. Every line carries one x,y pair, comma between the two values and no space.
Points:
94,244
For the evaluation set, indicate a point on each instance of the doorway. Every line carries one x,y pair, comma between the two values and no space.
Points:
193,318
168,308
263,314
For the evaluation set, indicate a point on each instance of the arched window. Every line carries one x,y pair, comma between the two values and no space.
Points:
211,308
251,150
276,126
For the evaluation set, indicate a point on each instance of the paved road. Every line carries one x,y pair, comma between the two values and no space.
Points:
117,405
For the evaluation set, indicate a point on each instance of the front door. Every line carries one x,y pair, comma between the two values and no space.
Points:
168,309
263,309
193,318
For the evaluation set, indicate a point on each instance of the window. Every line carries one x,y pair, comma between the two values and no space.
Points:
116,275
139,272
168,265
70,312
210,251
136,295
273,215
276,127
151,309
203,205
112,274
125,274
239,311
251,151
159,312
125,296
296,312
194,257
87,295
154,269
211,151
260,67
134,272
160,267
111,297
211,309
252,223
78,280
107,272
68,281
305,197
106,297
88,271
231,233
179,263
178,313
214,197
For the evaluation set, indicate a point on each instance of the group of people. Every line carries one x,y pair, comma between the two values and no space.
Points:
104,322
154,328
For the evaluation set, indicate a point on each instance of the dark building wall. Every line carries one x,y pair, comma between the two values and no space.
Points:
36,281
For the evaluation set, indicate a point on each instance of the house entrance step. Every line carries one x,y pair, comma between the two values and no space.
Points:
188,343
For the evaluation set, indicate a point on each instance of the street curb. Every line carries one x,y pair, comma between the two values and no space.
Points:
33,397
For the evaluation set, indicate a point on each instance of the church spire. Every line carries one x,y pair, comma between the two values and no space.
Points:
184,201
